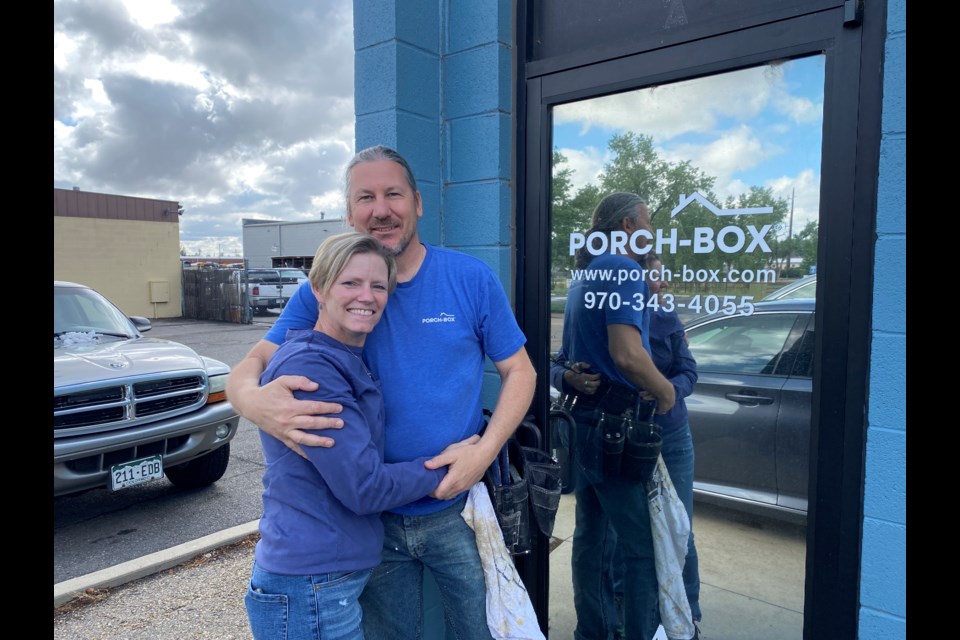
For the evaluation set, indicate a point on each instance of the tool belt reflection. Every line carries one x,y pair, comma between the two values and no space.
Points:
630,440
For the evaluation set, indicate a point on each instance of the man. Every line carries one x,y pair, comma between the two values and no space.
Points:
605,349
446,316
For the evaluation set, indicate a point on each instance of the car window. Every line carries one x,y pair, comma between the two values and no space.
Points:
792,349
742,344
808,290
803,365
804,288
267,276
292,276
85,310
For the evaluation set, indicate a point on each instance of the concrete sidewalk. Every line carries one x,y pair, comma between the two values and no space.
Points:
194,590
64,592
751,570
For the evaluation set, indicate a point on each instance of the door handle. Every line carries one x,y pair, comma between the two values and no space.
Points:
746,398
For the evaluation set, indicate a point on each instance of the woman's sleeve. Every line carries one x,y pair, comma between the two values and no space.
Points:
357,477
683,369
556,371
353,467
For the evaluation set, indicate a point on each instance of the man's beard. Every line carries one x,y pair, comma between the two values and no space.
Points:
401,246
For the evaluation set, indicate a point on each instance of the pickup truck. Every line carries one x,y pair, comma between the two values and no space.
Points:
129,409
272,288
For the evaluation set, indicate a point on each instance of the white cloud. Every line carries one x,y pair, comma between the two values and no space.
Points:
668,111
731,152
235,110
160,69
150,13
804,190
799,109
586,163
214,247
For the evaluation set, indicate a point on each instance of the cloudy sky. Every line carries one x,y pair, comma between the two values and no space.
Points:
753,127
245,110
234,109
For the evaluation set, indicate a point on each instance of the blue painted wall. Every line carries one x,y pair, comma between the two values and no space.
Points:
883,569
434,80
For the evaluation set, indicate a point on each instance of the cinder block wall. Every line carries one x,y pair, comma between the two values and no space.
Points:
883,570
433,79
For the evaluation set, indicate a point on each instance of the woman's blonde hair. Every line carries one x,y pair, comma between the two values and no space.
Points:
335,252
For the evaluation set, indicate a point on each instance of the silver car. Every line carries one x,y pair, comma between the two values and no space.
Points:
750,408
805,287
129,409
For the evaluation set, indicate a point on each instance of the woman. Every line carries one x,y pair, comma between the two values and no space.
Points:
668,342
321,534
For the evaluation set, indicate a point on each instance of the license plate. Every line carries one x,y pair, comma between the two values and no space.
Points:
130,474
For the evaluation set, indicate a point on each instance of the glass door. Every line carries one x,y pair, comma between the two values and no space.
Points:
755,145
727,167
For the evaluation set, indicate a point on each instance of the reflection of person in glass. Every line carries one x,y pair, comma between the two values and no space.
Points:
607,324
668,344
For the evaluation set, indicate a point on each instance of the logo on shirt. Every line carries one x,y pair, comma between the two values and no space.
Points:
443,317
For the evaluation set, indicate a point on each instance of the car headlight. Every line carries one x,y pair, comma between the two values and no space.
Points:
218,388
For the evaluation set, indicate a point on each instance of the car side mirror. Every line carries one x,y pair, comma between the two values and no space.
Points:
142,324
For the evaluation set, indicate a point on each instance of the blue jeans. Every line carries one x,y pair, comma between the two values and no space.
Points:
442,542
678,455
323,606
612,517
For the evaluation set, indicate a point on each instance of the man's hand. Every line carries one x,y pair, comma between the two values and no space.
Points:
466,460
578,378
274,409
474,439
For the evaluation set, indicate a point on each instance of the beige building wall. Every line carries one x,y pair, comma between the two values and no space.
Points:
120,259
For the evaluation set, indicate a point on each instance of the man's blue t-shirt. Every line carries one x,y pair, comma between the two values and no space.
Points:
611,290
429,352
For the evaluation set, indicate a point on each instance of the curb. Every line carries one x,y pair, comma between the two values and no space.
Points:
64,592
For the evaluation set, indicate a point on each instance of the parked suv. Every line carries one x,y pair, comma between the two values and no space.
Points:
272,288
129,409
750,409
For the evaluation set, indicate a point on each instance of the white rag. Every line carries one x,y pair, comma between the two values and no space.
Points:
510,614
670,525
71,338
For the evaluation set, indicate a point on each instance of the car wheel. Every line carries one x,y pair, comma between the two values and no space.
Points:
202,471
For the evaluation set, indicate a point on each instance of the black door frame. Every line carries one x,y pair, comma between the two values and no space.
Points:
852,42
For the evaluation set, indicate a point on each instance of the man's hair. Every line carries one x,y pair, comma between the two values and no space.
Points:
335,252
607,216
614,208
379,152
